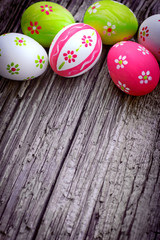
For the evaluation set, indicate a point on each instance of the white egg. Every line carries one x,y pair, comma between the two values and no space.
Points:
149,34
21,57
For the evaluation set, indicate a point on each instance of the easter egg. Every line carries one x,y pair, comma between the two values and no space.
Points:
21,57
133,68
75,50
149,34
113,21
43,20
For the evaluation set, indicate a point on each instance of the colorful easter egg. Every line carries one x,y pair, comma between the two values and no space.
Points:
113,21
149,34
21,57
43,20
133,68
75,50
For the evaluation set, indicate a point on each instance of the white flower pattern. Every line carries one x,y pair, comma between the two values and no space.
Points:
93,8
145,77
109,29
119,44
123,87
121,62
143,50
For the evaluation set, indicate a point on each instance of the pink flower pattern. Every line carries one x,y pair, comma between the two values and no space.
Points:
69,56
47,9
87,41
34,28
144,33
126,38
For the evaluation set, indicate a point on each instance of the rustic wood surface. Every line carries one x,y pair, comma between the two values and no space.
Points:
79,159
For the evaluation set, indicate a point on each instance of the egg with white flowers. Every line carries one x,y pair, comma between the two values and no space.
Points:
149,34
114,21
21,57
75,50
133,68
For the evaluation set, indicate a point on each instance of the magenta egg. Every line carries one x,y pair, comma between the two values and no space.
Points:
133,68
75,50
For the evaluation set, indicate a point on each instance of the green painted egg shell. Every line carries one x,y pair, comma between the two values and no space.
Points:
113,21
43,20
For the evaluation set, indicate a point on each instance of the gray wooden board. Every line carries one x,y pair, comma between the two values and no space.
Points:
79,158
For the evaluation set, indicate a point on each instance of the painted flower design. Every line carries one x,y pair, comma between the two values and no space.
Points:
4,34
109,29
29,78
33,28
121,62
123,87
40,61
143,50
128,37
87,41
20,41
144,33
93,8
145,77
119,44
69,56
13,68
46,9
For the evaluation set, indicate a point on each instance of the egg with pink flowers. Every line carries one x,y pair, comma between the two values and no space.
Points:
133,68
75,50
149,34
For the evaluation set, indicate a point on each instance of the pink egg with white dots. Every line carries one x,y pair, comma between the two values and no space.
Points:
133,68
75,50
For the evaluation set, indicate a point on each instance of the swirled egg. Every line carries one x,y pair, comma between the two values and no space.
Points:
21,57
133,68
113,21
75,50
149,34
43,20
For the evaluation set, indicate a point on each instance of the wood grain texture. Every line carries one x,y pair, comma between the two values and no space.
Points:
79,158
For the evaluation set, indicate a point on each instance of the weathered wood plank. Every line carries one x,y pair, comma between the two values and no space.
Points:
79,159
111,171
37,147
40,130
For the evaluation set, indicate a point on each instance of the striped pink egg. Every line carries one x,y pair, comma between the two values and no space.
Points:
75,50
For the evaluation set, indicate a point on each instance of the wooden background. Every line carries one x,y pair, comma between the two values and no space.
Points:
79,158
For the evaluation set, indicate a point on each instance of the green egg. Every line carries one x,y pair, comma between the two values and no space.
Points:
113,21
43,20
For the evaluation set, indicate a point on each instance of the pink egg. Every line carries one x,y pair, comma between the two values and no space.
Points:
133,68
75,50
